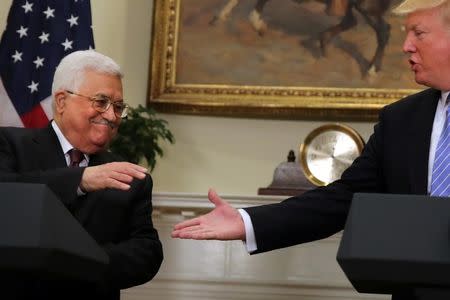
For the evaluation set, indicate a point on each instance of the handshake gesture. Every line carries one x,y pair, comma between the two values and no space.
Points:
223,223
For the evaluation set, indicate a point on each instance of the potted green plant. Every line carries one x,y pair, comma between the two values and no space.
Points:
139,134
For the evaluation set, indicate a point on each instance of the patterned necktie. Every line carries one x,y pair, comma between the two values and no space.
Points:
76,156
440,178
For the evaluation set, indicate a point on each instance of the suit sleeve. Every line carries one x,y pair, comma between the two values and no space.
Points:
321,212
63,182
136,259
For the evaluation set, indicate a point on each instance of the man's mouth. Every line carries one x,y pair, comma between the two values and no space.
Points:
412,64
104,122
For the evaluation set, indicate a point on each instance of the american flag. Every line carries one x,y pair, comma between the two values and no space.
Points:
38,34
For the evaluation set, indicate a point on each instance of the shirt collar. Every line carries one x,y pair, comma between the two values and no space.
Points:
65,144
444,96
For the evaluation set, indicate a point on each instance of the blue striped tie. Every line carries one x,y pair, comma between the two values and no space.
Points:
440,178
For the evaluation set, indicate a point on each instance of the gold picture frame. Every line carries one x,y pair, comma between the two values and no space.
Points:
169,95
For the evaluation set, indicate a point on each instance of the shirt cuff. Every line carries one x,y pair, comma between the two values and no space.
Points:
250,240
80,192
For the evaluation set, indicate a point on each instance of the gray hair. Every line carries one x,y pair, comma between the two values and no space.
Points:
69,74
410,6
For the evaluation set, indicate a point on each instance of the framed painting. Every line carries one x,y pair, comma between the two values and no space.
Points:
311,59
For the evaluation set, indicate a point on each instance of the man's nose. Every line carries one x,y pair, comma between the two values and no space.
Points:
408,46
109,114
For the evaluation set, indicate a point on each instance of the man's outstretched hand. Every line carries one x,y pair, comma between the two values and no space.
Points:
223,223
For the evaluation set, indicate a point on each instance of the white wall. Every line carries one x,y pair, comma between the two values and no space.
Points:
237,156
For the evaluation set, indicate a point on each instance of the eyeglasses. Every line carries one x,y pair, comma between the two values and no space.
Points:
101,103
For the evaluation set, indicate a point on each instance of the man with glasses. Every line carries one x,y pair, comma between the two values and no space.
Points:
110,198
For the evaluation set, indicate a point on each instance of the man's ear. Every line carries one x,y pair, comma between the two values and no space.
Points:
60,101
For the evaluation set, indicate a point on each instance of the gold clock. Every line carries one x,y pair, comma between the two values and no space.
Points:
328,150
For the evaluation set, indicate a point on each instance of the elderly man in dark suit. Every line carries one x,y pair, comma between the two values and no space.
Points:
408,153
110,198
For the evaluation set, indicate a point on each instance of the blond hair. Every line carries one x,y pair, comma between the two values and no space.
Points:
410,6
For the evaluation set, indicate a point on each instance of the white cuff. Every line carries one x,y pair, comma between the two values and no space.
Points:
80,192
250,240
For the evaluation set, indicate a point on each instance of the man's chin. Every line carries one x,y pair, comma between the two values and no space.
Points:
100,144
419,80
427,83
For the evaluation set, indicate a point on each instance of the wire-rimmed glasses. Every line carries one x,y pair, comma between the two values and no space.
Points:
101,103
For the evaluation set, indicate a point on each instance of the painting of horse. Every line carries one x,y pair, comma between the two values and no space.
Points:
371,10
306,43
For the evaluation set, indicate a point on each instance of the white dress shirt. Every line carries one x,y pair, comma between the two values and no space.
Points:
66,147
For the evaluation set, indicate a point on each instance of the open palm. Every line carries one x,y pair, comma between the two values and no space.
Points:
223,223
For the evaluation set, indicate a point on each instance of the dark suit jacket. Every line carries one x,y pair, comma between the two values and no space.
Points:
120,221
395,160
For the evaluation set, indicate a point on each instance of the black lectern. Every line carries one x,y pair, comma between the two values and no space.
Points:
39,237
392,243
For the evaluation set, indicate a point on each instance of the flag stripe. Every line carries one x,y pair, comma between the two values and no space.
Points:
35,118
47,107
8,114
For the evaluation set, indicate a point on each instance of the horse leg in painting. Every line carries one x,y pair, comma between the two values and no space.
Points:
224,12
382,29
347,22
255,17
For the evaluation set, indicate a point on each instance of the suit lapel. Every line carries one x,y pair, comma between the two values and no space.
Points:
48,149
84,213
419,149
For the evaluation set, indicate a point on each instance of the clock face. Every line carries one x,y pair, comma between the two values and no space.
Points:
328,151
